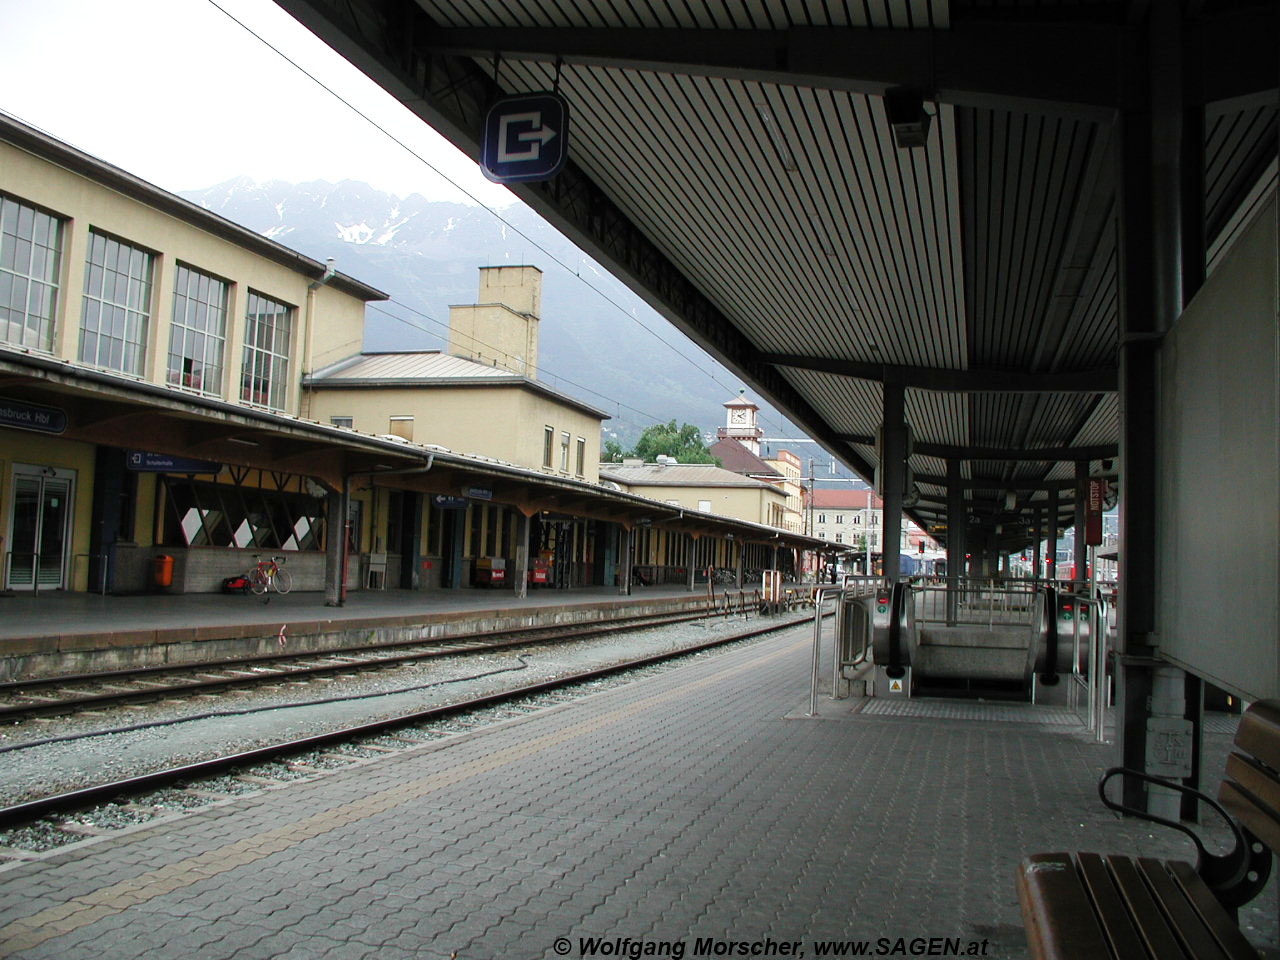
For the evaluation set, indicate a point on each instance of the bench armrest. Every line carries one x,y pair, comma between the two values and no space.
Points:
1217,870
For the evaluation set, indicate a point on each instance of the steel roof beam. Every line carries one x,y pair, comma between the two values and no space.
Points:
1062,66
956,381
947,451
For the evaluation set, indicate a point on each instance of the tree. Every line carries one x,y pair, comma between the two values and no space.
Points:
613,452
683,442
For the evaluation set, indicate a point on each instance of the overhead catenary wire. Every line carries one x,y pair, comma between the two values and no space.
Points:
630,314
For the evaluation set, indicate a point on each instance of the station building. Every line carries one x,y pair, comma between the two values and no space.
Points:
167,384
482,398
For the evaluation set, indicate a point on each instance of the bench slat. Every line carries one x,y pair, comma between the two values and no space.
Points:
1257,812
1228,935
1184,919
1147,916
1259,732
1107,902
1061,924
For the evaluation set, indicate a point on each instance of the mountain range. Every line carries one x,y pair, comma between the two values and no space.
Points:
599,342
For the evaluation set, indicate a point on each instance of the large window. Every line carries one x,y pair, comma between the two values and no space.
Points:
265,377
117,304
30,258
198,334
548,444
564,452
581,458
202,514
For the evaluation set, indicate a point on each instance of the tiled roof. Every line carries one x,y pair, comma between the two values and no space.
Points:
677,475
426,365
429,368
734,456
848,499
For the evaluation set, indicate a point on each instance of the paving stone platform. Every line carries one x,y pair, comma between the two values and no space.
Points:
696,803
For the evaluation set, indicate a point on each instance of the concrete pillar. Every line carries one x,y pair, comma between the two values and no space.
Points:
522,557
893,476
335,526
625,539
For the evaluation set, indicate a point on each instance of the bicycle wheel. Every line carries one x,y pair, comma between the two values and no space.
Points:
282,581
258,581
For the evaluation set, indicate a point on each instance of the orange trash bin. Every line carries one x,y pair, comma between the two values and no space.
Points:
162,571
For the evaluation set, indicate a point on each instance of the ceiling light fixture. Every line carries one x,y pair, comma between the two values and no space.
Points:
775,134
907,117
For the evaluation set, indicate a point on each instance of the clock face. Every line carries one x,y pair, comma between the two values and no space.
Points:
738,416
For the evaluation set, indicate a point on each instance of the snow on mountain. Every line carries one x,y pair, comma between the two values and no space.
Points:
425,255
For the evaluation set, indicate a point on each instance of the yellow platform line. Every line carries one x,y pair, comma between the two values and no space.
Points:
27,932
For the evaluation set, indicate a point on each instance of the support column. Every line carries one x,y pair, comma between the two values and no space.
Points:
893,456
1153,234
957,525
1037,532
1051,548
625,537
1080,548
522,557
742,553
335,530
693,558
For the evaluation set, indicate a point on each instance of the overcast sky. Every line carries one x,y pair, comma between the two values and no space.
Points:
176,92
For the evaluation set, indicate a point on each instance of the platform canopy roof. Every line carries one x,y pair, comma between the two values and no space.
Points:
736,165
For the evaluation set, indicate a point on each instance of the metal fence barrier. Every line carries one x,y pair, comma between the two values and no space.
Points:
847,651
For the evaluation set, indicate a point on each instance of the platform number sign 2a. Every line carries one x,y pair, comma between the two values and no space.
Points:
525,138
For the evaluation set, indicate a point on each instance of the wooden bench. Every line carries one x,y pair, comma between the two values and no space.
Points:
1094,906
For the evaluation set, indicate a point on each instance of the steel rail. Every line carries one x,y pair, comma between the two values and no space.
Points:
449,647
22,813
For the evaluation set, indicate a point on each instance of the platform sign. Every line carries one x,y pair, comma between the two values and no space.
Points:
525,138
140,461
32,416
1093,506
478,493
445,502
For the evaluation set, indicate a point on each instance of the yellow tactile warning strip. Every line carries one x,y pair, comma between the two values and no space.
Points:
115,898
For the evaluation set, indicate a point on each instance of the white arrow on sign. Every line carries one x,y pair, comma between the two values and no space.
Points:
536,137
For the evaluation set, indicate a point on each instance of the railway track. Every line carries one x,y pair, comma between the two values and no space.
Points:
218,778
57,696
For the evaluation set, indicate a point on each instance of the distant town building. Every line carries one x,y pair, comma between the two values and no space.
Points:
855,518
481,399
741,423
737,447
703,487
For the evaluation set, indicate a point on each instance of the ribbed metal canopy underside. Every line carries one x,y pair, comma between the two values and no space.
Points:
741,145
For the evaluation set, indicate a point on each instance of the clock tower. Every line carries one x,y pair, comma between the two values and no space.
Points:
740,423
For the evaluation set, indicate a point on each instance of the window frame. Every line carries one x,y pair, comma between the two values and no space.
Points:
132,311
580,456
178,378
548,446
44,331
263,363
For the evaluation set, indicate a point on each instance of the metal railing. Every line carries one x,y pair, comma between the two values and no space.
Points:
1089,672
984,602
847,651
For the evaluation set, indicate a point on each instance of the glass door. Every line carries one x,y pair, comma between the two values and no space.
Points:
40,528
